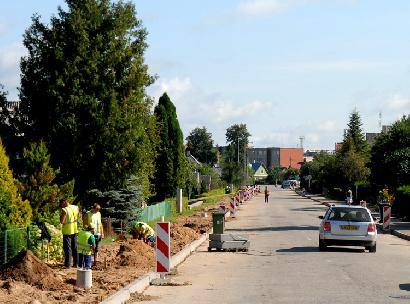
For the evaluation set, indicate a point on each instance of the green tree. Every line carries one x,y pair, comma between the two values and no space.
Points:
354,138
14,211
200,145
353,158
324,172
234,159
170,164
83,90
390,156
38,185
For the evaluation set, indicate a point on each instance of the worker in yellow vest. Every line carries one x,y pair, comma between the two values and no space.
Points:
98,230
86,244
142,231
68,218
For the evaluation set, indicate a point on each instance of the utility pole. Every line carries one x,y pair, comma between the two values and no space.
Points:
238,149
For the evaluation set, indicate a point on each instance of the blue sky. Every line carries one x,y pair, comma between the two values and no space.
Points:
286,68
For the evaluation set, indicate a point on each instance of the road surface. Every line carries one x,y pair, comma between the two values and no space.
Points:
284,265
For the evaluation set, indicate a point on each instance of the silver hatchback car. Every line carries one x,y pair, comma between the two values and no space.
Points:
345,225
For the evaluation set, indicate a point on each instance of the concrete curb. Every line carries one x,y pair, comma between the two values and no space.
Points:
140,284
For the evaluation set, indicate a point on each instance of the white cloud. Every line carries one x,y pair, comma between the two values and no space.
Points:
280,138
175,87
264,8
398,103
338,65
226,110
10,67
327,126
197,108
254,8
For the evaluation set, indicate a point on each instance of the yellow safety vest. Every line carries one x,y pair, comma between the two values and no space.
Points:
82,242
148,231
99,222
70,225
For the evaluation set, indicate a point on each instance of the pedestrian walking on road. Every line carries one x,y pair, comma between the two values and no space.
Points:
68,219
266,194
349,198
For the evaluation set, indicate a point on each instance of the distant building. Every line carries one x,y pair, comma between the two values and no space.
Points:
309,155
269,157
291,157
386,129
338,146
260,171
12,105
273,157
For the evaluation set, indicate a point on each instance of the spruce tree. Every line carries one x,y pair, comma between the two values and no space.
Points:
14,212
170,164
354,138
38,184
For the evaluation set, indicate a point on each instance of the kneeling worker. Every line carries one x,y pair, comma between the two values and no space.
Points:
85,244
142,231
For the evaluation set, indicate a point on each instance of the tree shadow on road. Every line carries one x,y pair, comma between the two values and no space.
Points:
279,228
316,249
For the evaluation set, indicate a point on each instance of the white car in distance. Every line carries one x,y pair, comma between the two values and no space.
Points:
345,225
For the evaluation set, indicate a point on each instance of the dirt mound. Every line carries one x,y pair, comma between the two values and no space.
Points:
181,236
137,254
197,222
26,267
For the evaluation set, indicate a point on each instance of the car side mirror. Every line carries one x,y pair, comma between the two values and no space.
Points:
320,217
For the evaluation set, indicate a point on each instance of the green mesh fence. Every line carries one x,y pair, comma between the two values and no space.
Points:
154,212
11,242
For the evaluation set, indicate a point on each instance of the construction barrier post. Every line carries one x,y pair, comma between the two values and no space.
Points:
163,248
386,217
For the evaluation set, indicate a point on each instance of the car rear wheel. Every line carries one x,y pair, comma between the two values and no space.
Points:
371,248
322,245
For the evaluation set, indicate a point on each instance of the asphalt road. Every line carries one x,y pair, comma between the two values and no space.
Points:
284,265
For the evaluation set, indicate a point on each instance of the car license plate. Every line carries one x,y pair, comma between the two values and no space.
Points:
349,227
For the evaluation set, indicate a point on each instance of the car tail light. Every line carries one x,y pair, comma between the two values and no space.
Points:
371,228
327,226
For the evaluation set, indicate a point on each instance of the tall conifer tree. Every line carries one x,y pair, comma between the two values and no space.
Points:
170,162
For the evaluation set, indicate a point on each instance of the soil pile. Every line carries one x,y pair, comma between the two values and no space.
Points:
26,267
181,236
137,254
197,222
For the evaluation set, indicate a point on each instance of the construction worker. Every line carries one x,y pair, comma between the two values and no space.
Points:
95,217
142,231
68,219
86,243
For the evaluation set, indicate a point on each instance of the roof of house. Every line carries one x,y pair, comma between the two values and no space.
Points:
256,166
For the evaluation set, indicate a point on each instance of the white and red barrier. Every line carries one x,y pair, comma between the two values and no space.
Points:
163,250
386,217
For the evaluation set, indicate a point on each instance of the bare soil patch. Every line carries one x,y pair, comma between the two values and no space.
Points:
26,278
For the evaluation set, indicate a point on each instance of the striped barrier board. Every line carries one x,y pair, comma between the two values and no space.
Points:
386,217
163,250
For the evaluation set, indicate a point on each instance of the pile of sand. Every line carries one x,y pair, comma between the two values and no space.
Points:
137,254
26,267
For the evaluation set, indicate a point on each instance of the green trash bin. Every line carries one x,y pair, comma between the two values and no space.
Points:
218,219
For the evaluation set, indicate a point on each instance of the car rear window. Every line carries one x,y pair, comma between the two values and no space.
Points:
349,215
